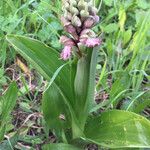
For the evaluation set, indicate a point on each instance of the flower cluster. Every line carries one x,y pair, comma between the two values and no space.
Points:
79,16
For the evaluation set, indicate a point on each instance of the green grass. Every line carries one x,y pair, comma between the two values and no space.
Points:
123,70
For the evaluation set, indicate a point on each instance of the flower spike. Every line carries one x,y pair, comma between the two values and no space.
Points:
79,16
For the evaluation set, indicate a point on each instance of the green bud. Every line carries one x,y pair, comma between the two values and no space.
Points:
82,4
74,10
73,2
76,21
67,15
93,10
84,13
65,6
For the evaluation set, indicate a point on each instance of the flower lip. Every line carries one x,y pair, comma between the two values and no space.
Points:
66,53
91,42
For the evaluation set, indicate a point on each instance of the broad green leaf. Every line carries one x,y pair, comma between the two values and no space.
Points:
8,101
53,108
60,146
46,60
119,129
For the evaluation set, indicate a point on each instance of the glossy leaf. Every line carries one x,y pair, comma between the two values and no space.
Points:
59,146
118,129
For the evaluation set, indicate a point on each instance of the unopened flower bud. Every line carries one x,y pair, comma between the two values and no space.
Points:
66,6
88,23
84,13
82,4
74,10
87,33
93,10
76,21
71,29
73,2
66,41
64,21
68,15
64,1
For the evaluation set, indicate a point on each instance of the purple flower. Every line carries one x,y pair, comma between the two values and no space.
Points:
66,53
92,42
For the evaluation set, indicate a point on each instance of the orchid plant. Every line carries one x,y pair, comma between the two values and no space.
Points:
68,100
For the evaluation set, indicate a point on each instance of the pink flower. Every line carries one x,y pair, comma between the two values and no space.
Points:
66,53
92,42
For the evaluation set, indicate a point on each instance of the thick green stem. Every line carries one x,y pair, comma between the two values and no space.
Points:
84,86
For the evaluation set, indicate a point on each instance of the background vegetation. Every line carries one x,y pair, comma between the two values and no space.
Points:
123,70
